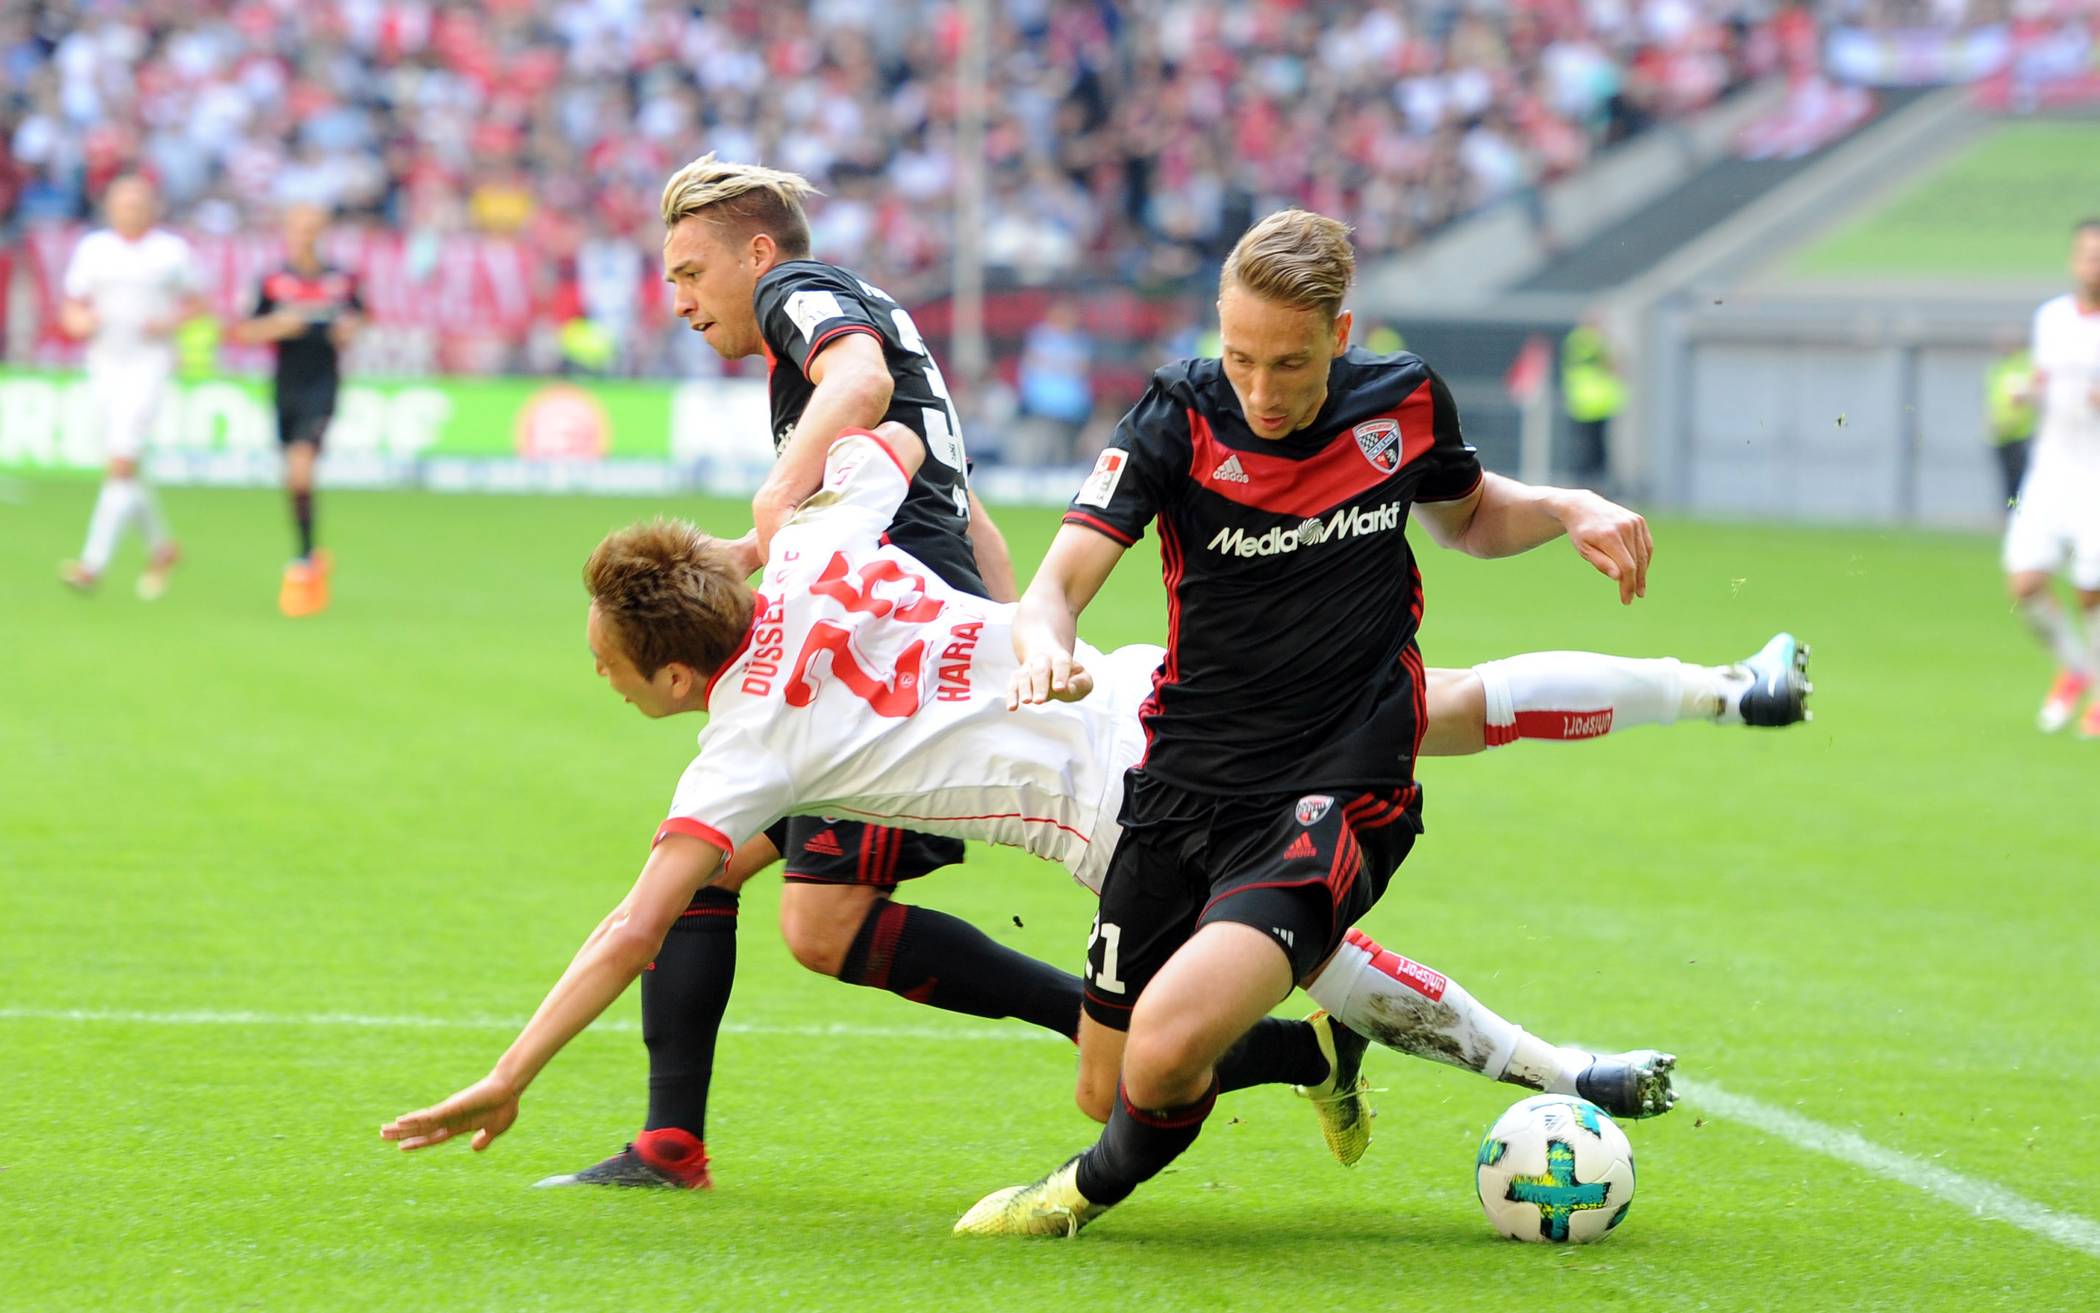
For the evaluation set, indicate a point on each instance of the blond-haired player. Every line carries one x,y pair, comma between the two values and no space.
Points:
2056,518
840,353
127,289
1276,796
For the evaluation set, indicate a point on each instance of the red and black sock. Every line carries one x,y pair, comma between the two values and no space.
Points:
684,993
931,957
1137,1144
1276,1051
303,521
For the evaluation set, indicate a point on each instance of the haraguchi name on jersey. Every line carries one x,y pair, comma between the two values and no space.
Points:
1348,522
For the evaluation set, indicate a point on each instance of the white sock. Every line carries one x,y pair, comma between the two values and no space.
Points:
2090,618
2047,621
150,519
1414,1009
1582,695
112,512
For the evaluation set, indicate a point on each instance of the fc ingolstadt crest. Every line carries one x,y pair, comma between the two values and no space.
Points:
1379,441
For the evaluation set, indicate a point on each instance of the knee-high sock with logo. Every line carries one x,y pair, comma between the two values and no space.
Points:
1420,1011
931,957
2047,621
1581,695
684,993
1137,1144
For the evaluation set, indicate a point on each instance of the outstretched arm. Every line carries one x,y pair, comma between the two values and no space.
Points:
614,954
1046,626
1504,517
853,385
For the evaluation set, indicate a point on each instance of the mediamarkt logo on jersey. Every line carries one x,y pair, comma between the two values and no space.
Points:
1348,522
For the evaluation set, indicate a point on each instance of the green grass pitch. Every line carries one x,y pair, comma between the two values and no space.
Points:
2002,208
264,884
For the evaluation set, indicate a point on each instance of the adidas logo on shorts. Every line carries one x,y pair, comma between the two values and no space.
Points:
824,843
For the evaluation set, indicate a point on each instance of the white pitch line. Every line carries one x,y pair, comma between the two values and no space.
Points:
1972,1196
1978,1198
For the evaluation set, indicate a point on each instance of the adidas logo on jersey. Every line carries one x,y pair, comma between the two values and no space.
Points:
1230,471
825,843
1348,522
1302,846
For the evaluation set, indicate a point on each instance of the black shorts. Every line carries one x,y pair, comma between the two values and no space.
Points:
820,851
303,414
1300,868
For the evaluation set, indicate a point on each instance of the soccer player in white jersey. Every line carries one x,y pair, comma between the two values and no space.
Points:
128,288
2056,518
855,683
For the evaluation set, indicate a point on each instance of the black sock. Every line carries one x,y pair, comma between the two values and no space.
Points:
303,517
1137,1144
931,957
1275,1051
683,995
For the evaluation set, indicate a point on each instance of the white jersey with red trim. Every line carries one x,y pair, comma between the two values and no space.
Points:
134,288
868,689
2066,349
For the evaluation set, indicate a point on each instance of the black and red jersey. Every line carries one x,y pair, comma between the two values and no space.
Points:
805,305
1293,598
308,361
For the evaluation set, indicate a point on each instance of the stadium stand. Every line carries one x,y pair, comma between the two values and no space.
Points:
1130,138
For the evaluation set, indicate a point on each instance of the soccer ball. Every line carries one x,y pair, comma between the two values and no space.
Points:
1555,1168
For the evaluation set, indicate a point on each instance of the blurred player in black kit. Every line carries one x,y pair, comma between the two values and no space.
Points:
840,354
309,312
1271,805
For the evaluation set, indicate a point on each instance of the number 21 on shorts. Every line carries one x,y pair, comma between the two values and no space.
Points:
1107,938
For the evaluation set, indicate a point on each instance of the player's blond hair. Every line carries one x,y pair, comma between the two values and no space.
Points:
671,593
1295,258
742,199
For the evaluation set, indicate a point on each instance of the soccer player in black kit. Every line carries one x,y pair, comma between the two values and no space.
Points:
309,312
840,354
1271,806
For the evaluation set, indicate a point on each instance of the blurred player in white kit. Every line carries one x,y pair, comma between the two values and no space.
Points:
2056,518
128,288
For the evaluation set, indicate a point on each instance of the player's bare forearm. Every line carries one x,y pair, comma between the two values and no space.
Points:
77,318
611,957
1046,624
1505,517
853,389
615,953
995,565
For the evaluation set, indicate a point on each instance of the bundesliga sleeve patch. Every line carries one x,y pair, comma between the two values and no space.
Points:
808,309
1100,486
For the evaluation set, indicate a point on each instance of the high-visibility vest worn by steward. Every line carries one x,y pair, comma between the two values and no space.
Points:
1587,379
2011,405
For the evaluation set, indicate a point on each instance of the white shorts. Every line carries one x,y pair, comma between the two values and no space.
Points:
2056,519
1128,679
128,396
